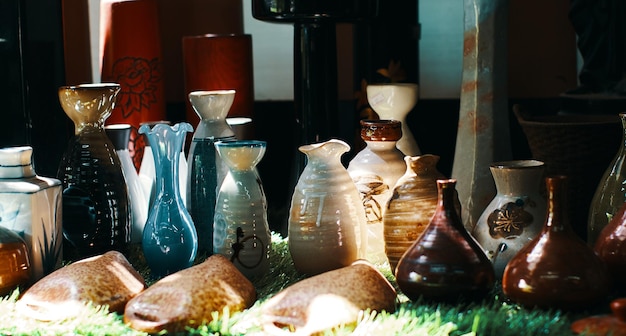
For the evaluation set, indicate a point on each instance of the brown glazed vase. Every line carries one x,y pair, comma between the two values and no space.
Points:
556,269
411,206
15,258
610,246
445,263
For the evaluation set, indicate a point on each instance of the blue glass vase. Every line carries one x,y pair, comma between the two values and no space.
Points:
241,232
206,170
170,241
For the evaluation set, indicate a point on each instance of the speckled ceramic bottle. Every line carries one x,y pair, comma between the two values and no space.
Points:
557,269
326,218
375,171
241,232
516,214
96,208
445,263
206,169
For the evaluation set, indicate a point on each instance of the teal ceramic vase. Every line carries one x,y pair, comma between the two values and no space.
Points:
170,241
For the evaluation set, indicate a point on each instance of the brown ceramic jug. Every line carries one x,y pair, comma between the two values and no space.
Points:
445,263
610,246
14,256
556,269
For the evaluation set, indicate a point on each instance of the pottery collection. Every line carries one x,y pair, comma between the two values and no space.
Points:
125,180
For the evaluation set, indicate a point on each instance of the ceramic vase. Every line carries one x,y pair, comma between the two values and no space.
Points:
326,224
119,134
610,246
241,231
516,214
131,55
411,206
14,256
395,101
206,169
30,205
170,241
610,194
556,269
445,263
96,208
375,171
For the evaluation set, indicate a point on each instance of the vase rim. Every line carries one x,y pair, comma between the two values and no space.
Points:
394,84
242,143
212,92
518,164
216,35
91,86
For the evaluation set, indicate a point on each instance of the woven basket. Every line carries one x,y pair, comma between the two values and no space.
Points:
578,146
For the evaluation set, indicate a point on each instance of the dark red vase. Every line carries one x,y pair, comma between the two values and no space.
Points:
445,263
610,246
556,269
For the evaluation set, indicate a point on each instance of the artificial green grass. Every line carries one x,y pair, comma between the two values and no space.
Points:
494,316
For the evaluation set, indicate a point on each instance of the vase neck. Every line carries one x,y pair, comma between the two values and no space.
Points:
557,210
446,199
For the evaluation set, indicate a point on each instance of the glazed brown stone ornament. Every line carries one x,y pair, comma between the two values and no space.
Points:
190,297
107,279
328,300
445,263
556,269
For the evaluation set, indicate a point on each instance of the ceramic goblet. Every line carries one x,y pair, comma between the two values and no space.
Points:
395,101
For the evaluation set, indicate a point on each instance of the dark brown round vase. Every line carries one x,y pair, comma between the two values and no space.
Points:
610,246
445,263
16,269
556,269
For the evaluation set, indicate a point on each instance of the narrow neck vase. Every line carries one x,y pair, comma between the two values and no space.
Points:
170,241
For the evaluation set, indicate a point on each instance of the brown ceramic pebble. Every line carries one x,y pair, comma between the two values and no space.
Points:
107,279
188,297
328,300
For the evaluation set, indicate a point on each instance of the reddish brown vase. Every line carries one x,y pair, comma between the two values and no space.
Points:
445,263
130,45
556,269
610,246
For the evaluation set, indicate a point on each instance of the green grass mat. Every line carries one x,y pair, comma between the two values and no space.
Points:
495,316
